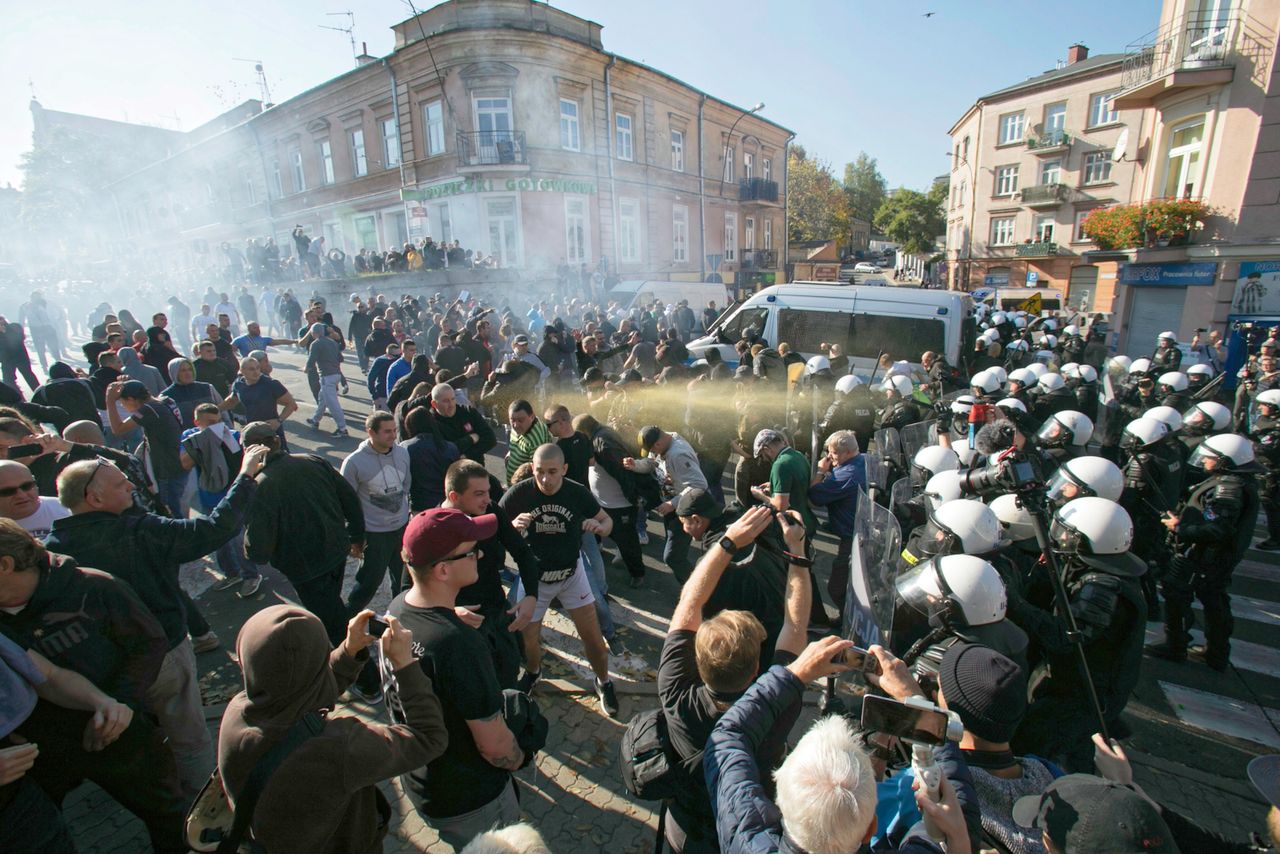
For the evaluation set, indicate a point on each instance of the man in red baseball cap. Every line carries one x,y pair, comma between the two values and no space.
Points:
468,789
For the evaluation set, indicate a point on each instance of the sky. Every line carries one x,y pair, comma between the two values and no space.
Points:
846,75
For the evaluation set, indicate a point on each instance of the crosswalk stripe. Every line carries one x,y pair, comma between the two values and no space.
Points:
1248,608
1256,569
1245,655
1216,713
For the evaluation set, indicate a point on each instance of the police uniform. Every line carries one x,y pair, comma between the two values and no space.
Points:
853,411
897,414
1215,528
1073,349
1266,448
1152,485
1166,359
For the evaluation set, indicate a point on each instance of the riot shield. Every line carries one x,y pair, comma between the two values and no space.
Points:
870,598
916,436
889,444
900,493
877,472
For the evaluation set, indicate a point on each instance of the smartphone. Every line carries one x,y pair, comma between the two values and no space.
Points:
912,723
17,452
858,659
376,627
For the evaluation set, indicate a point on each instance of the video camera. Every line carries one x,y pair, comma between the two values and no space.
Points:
1012,471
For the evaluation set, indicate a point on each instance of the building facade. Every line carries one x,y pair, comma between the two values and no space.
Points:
504,125
1028,164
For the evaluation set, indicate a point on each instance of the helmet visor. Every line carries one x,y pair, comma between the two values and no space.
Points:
919,588
1065,538
1053,434
1062,488
1202,453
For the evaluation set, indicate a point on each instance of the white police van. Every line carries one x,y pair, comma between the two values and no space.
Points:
902,322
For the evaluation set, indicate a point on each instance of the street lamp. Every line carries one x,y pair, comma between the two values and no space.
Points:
729,139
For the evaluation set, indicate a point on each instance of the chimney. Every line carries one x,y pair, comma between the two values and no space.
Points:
1077,52
364,58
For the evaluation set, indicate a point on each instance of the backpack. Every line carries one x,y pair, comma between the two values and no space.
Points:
651,768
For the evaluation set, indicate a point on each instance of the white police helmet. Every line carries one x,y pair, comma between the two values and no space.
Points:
1119,363
971,583
962,404
1071,329
1230,448
944,486
900,384
847,383
1050,382
1170,416
1270,397
985,381
1140,366
1209,416
1141,432
1099,532
1066,428
1001,375
971,525
1167,335
1173,381
1085,476
930,460
1024,377
1088,374
1038,368
816,364
1009,403
1201,370
1070,370
1014,519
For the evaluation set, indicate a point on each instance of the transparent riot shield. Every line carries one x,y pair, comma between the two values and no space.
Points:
877,473
889,444
870,598
900,495
916,436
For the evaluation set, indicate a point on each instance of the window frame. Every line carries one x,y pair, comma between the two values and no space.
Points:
1010,171
1038,225
390,153
277,177
748,234
327,174
996,221
628,230
748,165
729,172
296,170
1059,109
429,126
1078,236
766,168
1021,117
768,234
1096,99
487,218
680,234
570,125
1088,164
359,157
621,134
1045,169
1183,151
731,253
677,150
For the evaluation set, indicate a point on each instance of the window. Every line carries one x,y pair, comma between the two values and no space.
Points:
1044,228
1006,180
766,168
1055,118
730,237
390,143
964,153
1051,172
575,226
277,180
570,139
768,234
955,160
1101,110
493,119
865,335
748,165
677,150
251,193
445,230
745,321
504,231
366,232
728,165
622,137
628,231
1011,126
326,161
359,165
299,178
749,234
679,234
963,187
395,227
433,121
1182,169
1097,167
1078,234
1001,231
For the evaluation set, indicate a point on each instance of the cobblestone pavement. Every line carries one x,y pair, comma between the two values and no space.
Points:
573,793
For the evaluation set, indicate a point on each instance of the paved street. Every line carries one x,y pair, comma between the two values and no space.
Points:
1194,729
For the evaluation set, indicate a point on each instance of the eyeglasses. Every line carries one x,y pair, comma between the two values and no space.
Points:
476,553
25,486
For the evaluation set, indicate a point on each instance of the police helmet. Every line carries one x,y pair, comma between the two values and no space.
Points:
1066,428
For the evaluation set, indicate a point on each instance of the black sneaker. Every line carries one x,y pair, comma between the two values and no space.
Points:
527,680
1167,651
608,698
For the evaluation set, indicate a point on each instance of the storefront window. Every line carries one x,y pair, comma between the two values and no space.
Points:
504,230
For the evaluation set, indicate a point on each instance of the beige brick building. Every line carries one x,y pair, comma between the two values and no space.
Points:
509,128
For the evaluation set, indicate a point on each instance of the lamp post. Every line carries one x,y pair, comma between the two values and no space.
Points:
966,236
729,139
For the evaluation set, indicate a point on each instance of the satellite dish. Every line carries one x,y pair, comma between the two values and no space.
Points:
1122,144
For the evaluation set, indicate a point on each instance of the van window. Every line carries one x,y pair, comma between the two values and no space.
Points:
735,328
805,331
900,337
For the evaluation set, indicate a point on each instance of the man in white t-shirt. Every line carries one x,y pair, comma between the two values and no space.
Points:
21,501
200,323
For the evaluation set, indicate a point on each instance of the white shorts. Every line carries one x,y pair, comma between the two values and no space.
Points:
573,592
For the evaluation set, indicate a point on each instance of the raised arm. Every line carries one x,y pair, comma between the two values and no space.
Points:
706,575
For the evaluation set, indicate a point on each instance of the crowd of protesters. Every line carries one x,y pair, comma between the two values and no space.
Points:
508,455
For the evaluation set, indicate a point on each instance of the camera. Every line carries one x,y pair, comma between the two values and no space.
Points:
860,660
915,720
1013,473
376,627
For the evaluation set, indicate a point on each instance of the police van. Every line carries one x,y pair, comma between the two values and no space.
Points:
901,322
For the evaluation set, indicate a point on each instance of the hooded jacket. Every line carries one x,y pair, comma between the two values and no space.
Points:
145,374
91,623
323,797
158,352
148,551
67,392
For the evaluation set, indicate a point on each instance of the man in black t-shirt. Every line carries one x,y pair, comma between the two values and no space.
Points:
553,513
163,430
468,789
706,666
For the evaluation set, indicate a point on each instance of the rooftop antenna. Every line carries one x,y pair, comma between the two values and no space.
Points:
263,90
349,29
31,84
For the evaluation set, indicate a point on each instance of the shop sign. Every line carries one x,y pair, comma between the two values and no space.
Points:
464,186
1257,288
1171,275
1037,250
997,279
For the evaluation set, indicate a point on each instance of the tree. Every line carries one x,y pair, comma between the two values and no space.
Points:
61,197
913,219
864,187
814,198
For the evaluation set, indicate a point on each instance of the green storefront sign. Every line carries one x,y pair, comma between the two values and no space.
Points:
464,186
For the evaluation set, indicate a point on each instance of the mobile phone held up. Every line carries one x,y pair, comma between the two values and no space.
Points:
17,452
376,627
857,659
910,723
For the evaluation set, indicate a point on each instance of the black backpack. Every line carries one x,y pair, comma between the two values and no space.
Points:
651,768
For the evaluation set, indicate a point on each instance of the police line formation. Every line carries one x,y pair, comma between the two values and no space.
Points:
1002,539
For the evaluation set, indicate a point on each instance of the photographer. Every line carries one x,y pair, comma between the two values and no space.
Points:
826,788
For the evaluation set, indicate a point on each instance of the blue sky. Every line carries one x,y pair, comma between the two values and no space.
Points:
846,76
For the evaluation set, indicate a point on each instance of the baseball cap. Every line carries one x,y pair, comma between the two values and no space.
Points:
434,534
520,339
1083,813
592,375
765,438
986,689
697,502
133,390
649,436
256,433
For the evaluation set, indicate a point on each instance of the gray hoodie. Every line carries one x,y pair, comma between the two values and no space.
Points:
325,356
134,369
382,483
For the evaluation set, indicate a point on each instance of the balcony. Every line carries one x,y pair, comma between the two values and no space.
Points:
1196,52
488,150
759,259
1053,142
1036,249
757,190
1045,195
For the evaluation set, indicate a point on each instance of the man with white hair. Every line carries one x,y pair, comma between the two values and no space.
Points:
826,788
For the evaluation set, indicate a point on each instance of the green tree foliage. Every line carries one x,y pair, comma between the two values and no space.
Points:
61,181
914,219
864,187
815,200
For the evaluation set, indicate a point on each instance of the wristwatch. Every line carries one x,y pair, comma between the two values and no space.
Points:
727,543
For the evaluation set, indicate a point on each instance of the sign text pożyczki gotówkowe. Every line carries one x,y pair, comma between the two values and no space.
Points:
488,185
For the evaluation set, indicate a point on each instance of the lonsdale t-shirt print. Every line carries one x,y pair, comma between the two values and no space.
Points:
555,535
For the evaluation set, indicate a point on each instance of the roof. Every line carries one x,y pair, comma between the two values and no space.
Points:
1084,66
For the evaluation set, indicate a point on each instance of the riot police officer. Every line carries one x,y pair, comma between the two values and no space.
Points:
853,409
1212,530
1082,381
1256,377
1071,346
1091,538
1266,447
1021,381
1198,376
899,409
1167,356
1063,436
1152,485
1203,419
1052,396
1171,388
815,387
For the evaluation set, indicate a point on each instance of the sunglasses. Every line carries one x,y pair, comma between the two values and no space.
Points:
97,464
476,553
25,486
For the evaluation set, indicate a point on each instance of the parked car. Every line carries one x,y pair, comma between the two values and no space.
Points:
866,267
